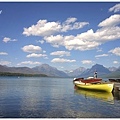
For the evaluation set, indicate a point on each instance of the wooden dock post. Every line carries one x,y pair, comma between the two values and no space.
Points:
117,86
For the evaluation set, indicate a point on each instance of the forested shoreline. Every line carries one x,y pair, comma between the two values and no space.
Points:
22,74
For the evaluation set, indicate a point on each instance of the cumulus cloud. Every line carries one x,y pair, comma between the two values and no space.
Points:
6,39
31,49
62,60
115,62
40,41
71,24
115,8
79,25
60,53
103,55
83,41
3,53
99,50
45,28
70,20
108,30
111,21
36,55
115,51
86,62
29,63
55,40
5,62
42,28
89,40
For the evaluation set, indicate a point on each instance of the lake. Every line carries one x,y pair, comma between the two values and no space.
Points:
44,97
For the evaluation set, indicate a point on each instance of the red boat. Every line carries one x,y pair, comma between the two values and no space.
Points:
88,80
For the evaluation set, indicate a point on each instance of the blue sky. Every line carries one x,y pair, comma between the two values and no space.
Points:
64,35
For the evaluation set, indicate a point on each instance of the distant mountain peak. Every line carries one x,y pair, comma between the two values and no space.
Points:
96,65
75,72
49,70
52,71
44,64
112,69
101,70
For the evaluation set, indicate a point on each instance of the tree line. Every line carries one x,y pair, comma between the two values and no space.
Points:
21,74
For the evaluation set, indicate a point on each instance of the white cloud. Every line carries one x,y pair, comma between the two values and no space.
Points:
103,55
115,62
44,51
86,62
70,20
62,60
40,41
81,42
6,39
71,24
89,40
45,28
61,53
36,55
42,28
99,50
116,51
31,49
4,62
55,40
111,21
3,53
115,8
0,11
29,63
107,34
108,31
79,25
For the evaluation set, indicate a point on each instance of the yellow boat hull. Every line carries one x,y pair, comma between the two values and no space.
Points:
108,87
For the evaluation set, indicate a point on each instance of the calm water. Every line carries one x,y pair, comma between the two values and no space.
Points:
41,97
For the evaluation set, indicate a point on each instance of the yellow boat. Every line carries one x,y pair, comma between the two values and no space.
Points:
107,87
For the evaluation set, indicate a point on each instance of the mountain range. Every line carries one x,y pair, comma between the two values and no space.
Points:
52,71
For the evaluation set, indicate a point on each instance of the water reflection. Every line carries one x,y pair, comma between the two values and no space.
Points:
103,96
53,98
